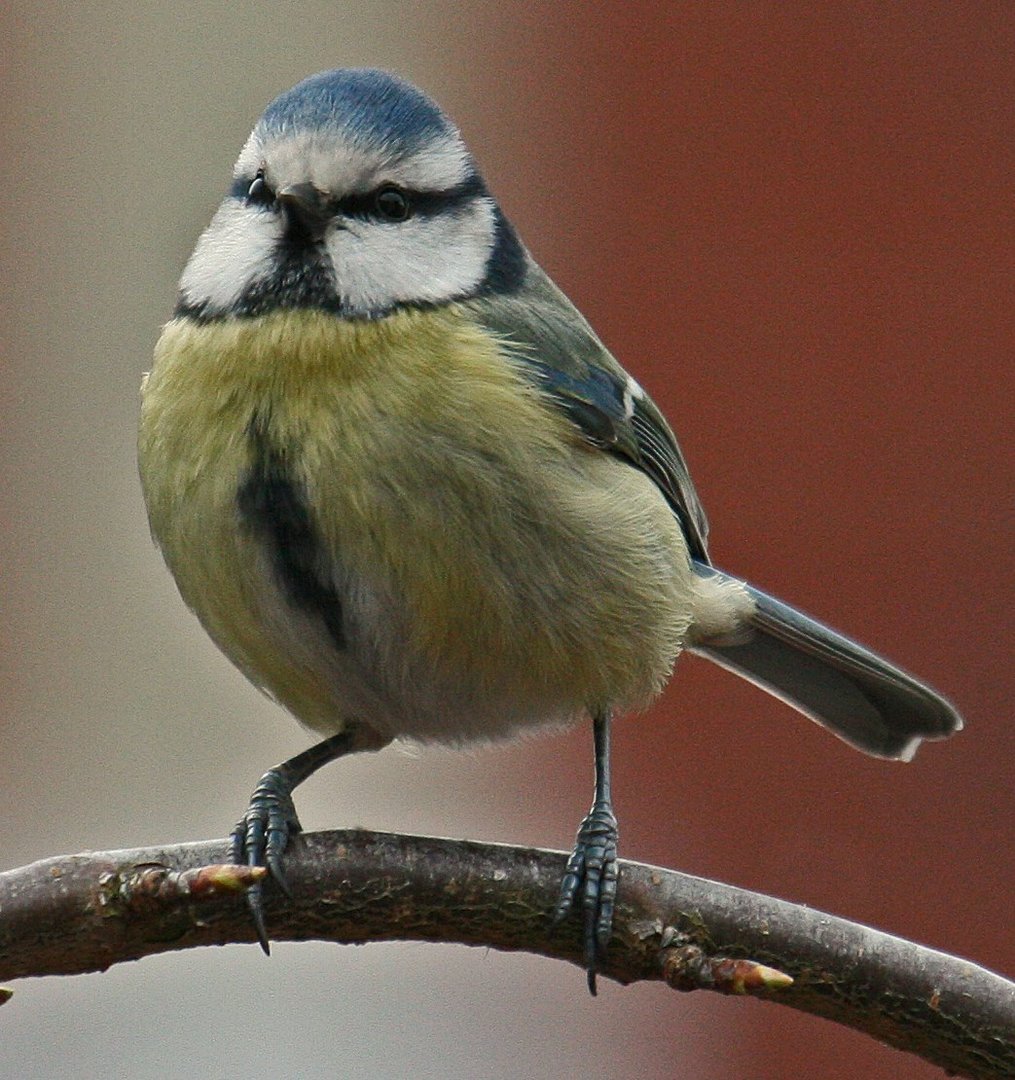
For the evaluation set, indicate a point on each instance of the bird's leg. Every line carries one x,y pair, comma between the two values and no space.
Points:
592,867
263,833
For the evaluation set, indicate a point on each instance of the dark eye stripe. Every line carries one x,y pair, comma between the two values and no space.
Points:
422,203
363,205
241,185
253,190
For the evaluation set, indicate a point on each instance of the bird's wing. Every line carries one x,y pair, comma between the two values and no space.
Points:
557,349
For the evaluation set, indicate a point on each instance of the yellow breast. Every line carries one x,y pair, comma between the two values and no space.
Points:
491,570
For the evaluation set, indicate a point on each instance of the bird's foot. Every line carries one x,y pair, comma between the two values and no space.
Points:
591,874
261,837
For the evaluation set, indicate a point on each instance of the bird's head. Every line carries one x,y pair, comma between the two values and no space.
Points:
354,194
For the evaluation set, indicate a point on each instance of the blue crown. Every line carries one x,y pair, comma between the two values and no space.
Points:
373,106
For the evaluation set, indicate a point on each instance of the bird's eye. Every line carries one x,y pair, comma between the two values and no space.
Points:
392,203
259,194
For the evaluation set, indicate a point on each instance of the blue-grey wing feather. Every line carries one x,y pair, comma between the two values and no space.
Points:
558,350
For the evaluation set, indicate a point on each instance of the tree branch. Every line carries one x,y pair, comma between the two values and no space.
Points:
80,913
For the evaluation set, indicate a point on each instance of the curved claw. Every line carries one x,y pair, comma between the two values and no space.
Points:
255,905
260,838
592,869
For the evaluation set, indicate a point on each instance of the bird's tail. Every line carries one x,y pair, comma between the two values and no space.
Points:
863,699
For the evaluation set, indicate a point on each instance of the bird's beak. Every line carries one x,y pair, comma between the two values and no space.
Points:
306,210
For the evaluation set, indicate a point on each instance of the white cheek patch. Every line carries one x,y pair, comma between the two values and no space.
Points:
422,260
377,265
236,250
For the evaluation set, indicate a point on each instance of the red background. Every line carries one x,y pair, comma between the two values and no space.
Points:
793,223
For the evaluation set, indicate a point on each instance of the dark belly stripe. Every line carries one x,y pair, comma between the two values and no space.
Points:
273,507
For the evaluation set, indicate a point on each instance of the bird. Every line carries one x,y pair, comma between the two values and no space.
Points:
411,495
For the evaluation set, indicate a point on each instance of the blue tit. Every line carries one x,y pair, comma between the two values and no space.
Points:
410,494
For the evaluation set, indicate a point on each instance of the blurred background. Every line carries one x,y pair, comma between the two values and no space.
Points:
792,223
